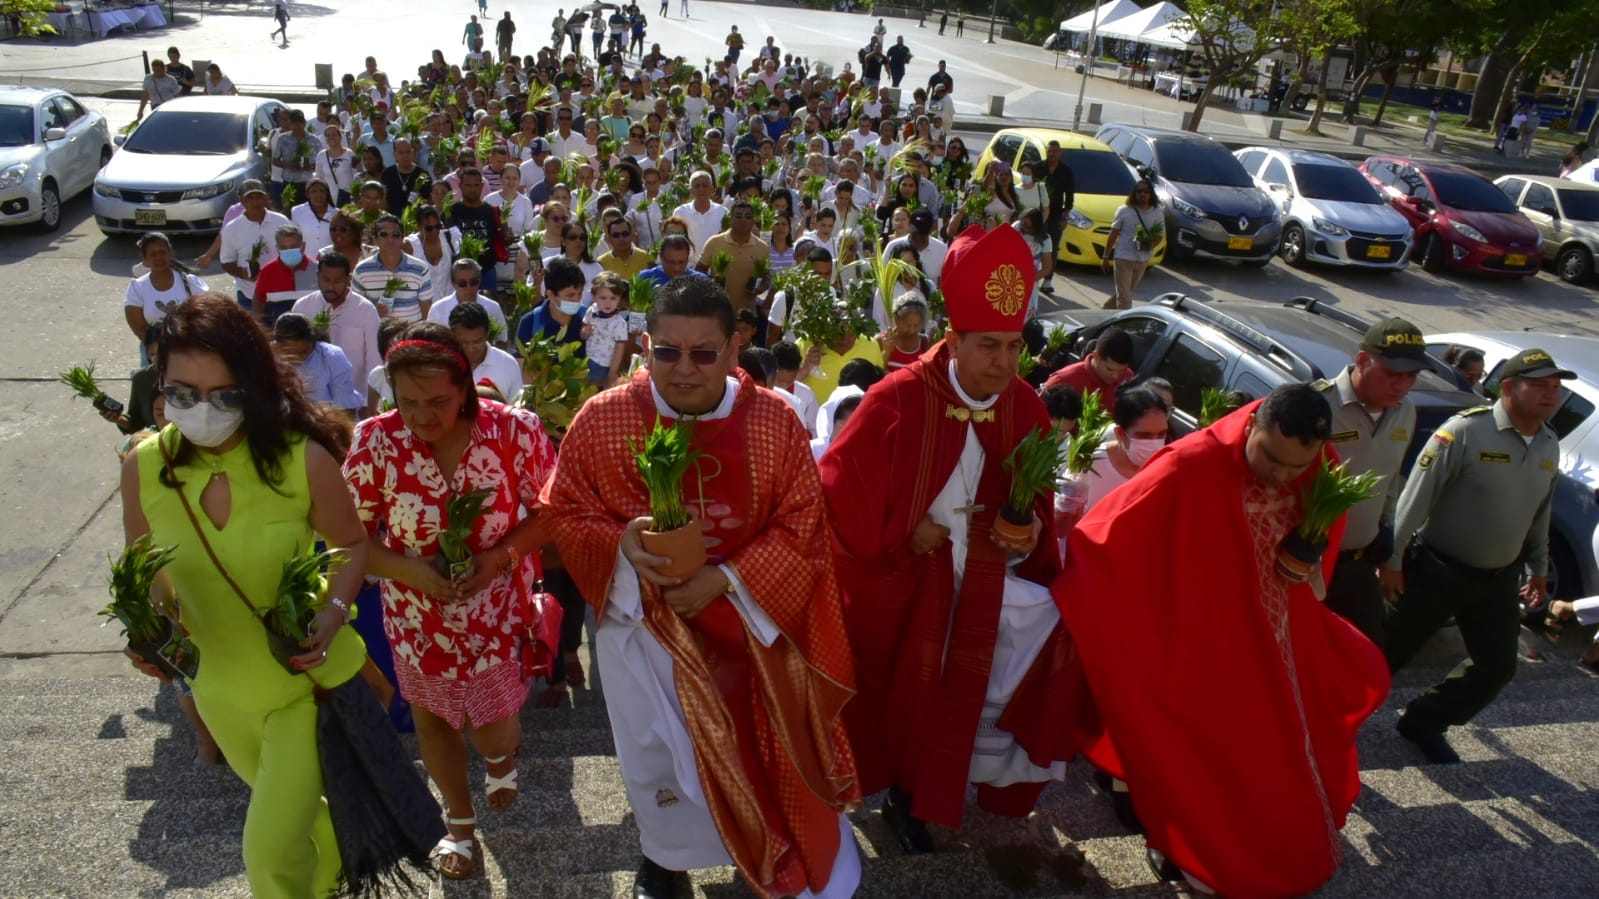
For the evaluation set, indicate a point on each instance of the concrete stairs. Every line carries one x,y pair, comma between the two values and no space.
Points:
100,798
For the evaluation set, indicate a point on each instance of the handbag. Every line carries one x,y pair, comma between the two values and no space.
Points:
541,611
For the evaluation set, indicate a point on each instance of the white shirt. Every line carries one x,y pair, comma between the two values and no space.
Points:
353,327
241,235
336,171
561,146
439,313
503,370
440,274
808,407
701,226
315,229
156,303
932,257
520,216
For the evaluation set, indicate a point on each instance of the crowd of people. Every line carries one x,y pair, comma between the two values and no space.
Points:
803,280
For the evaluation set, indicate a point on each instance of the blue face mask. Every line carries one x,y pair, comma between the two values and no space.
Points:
571,307
292,258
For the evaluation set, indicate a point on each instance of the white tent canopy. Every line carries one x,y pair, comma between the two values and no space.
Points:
1107,12
1150,26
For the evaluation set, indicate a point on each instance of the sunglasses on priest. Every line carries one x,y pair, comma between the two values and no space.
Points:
671,355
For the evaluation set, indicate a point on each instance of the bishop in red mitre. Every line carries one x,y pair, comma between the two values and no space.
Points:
964,671
1230,696
725,687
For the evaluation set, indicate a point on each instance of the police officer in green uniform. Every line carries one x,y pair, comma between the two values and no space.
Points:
1478,505
1373,422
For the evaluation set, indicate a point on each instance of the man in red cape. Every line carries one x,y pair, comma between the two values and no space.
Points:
724,687
964,671
1230,696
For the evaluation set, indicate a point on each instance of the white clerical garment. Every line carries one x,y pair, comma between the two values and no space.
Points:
652,740
1027,617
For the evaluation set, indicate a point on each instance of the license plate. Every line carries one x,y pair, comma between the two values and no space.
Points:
1515,260
1379,252
150,217
1240,243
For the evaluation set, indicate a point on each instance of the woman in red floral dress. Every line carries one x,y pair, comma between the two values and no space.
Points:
458,644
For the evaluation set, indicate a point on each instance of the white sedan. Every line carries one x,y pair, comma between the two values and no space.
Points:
50,149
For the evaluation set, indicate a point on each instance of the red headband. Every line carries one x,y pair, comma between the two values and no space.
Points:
460,358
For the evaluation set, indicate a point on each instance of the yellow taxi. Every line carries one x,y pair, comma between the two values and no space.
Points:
1103,181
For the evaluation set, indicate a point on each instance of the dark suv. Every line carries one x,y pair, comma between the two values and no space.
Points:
1212,205
1251,347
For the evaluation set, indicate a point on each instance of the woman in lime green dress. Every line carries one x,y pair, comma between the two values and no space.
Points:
258,465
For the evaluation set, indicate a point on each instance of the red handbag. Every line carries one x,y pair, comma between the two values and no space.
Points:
543,615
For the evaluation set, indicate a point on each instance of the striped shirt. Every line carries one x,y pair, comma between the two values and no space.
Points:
404,301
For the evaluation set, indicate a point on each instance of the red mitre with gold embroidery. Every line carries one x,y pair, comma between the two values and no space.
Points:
988,280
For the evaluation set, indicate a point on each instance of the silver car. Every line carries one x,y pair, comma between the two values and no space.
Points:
1567,215
1331,213
179,171
50,149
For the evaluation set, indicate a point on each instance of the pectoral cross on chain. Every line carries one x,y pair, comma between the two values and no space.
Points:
969,510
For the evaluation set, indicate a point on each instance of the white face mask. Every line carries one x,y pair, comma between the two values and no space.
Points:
204,424
571,307
1139,451
1027,181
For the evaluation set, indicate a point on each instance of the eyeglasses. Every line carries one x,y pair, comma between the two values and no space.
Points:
340,228
581,237
621,235
472,283
224,399
671,355
390,234
560,219
430,228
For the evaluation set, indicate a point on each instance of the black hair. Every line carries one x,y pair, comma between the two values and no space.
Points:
787,355
561,273
845,408
748,317
691,296
1062,401
1157,383
335,260
760,363
859,373
819,254
1116,345
1131,405
388,332
292,326
1298,411
471,316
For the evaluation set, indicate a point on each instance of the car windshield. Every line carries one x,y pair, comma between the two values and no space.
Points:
1580,205
1099,171
1334,182
1469,192
186,133
16,126
1200,164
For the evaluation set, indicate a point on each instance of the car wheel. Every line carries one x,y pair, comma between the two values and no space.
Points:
105,156
1293,248
1432,256
49,206
1575,264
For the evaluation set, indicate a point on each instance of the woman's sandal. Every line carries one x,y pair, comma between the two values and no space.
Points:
495,787
448,850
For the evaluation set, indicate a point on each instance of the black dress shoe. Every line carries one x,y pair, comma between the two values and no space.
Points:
1164,868
1434,746
909,831
654,882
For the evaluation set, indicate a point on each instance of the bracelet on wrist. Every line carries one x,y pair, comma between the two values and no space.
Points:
512,557
342,606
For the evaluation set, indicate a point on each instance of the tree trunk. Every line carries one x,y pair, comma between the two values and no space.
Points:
1388,79
1300,71
1321,95
1490,81
1512,86
1204,98
1589,81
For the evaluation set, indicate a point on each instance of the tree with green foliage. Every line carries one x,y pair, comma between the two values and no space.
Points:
29,16
1232,37
1312,29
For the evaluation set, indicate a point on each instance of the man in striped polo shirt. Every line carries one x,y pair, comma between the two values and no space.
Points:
399,284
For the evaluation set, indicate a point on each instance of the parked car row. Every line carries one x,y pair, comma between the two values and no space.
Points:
50,149
1255,347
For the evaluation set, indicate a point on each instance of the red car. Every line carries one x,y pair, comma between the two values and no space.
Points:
1462,221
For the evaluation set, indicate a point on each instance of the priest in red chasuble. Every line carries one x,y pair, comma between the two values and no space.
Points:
725,687
1230,696
965,674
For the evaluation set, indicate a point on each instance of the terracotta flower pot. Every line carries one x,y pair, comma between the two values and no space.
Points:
164,653
1013,526
684,546
1297,557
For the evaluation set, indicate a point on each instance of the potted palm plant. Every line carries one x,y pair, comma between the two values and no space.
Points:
719,266
81,379
299,598
322,324
151,635
663,460
1077,462
1214,404
1032,471
454,560
1329,495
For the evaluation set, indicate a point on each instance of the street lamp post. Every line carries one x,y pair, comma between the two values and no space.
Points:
992,15
1088,63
